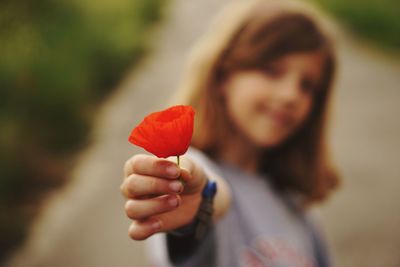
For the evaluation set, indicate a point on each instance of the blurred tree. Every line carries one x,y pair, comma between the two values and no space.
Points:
58,60
377,20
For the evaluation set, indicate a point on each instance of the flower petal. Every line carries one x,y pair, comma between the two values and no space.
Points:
165,133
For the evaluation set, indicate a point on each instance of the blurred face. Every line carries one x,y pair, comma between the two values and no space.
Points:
267,105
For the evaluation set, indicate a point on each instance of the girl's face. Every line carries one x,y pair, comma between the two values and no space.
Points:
267,105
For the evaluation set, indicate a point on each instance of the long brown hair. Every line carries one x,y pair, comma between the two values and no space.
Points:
248,35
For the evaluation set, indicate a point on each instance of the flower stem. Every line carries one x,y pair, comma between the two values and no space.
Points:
178,163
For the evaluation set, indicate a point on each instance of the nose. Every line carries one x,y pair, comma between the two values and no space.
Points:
289,91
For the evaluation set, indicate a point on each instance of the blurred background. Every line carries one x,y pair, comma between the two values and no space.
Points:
59,62
76,76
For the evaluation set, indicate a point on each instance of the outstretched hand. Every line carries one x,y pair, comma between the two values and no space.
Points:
157,201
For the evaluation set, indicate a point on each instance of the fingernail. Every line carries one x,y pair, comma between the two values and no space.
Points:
176,186
173,201
172,171
156,225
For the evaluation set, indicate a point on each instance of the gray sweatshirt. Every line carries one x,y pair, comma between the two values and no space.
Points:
262,228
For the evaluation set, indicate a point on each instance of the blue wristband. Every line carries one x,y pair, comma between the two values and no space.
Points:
209,190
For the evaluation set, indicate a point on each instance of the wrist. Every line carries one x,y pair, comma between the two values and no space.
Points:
204,215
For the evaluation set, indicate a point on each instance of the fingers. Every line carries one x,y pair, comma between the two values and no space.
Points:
139,167
152,187
140,230
152,166
141,209
166,221
136,186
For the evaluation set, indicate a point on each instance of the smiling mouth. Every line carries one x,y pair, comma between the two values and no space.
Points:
280,118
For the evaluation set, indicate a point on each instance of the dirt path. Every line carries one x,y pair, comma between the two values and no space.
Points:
85,226
363,219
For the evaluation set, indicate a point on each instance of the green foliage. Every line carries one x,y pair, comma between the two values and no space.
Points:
378,20
58,60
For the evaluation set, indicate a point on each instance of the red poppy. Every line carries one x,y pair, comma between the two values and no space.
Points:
165,133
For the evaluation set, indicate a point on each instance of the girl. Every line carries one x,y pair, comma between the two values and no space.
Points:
260,83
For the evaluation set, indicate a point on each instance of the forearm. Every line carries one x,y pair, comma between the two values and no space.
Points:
183,243
222,200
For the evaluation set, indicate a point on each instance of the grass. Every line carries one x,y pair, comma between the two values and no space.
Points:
375,20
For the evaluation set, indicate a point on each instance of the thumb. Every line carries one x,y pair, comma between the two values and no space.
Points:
193,176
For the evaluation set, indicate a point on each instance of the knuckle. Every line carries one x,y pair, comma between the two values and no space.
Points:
130,209
133,185
140,230
136,161
132,234
127,167
137,234
131,165
122,189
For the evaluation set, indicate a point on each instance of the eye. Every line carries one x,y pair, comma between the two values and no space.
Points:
273,70
308,86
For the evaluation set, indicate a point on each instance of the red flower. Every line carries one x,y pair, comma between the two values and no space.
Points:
165,133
